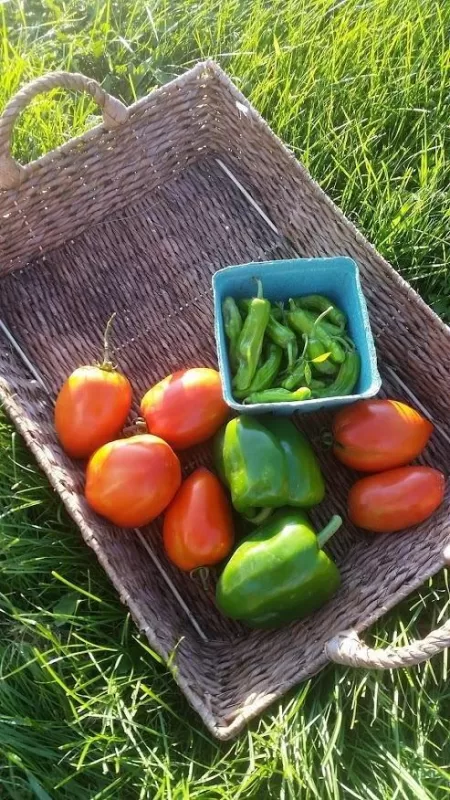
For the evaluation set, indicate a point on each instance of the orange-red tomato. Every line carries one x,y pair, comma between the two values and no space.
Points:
185,408
198,525
91,409
131,481
375,435
396,499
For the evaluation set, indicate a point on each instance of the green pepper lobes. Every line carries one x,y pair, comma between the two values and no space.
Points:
267,465
306,484
252,464
279,573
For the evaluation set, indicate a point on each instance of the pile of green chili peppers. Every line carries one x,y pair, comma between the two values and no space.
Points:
285,352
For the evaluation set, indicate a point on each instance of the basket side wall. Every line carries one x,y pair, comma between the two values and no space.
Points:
90,177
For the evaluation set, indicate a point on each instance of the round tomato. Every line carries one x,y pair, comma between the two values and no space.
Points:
375,435
91,409
185,408
131,481
396,499
198,525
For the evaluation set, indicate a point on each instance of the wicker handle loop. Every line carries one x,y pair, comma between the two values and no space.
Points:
114,113
347,648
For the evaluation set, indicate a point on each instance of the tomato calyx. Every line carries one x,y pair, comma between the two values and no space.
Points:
138,426
327,440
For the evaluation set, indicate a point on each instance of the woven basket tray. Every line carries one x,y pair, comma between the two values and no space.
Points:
135,217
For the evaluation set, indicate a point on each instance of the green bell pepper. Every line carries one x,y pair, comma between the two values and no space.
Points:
306,484
279,573
252,464
267,465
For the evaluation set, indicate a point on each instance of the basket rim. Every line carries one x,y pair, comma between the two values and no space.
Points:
200,702
89,136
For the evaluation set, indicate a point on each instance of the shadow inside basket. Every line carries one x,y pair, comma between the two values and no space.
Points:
153,265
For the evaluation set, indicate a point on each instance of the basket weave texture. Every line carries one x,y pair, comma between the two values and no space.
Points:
135,217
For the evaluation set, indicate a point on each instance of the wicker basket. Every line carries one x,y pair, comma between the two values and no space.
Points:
135,217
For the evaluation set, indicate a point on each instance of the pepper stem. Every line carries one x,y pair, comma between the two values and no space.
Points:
305,346
323,315
329,530
291,355
259,289
260,517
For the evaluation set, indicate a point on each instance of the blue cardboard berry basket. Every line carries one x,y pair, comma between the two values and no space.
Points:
338,279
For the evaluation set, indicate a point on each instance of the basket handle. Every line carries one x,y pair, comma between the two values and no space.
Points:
347,648
114,113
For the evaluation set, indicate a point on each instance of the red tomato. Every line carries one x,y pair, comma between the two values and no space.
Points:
396,499
131,481
185,408
198,525
375,435
91,409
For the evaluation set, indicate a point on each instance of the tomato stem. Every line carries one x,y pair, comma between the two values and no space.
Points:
203,575
138,426
107,362
326,439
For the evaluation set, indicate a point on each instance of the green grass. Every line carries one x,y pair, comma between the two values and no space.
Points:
360,89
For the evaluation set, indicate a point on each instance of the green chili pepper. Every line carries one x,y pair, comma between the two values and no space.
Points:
279,573
244,305
250,342
300,377
279,395
266,372
345,380
328,327
280,334
315,349
297,376
337,336
320,303
278,311
284,337
304,323
232,322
